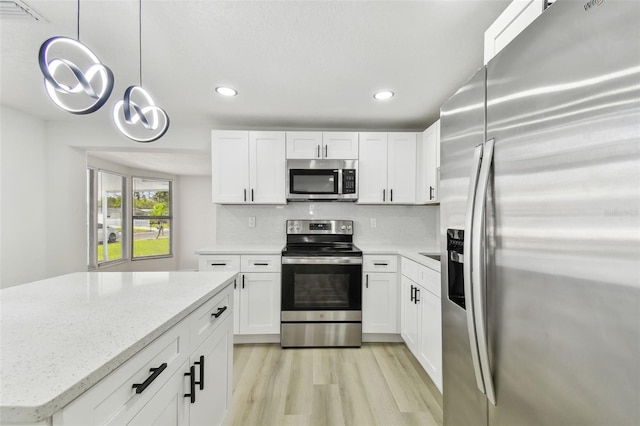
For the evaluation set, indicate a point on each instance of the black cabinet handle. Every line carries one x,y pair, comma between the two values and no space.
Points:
261,264
367,280
318,151
201,364
192,374
391,191
140,387
235,284
220,311
251,194
245,194
384,195
218,264
431,192
326,151
416,296
412,296
380,264
242,280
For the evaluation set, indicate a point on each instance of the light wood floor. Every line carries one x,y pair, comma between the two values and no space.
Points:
378,384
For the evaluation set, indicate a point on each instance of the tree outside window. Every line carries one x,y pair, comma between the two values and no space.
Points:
152,218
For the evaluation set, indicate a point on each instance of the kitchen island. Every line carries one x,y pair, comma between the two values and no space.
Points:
62,336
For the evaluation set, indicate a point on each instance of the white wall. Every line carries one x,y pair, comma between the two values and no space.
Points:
25,222
197,219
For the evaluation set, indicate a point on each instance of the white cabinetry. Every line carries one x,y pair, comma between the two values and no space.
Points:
151,387
429,165
256,290
421,316
380,294
515,18
319,145
248,167
387,168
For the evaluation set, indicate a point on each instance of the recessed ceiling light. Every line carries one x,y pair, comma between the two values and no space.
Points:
226,91
383,95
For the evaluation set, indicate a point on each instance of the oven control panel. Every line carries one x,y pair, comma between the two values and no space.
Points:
334,227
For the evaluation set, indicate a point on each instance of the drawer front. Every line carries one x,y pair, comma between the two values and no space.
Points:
410,269
260,263
379,263
429,279
205,319
114,400
219,262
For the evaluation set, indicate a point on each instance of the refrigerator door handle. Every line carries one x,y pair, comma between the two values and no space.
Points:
466,267
478,269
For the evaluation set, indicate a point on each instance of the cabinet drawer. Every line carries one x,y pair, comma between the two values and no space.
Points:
410,269
204,320
260,263
113,400
429,279
219,262
379,263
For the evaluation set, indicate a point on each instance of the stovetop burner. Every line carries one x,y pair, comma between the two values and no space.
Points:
321,250
320,238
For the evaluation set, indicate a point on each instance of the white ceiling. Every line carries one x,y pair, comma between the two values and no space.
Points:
295,64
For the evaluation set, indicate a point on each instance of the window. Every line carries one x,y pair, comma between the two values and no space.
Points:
106,212
152,218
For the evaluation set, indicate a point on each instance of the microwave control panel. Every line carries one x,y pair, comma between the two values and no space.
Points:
348,181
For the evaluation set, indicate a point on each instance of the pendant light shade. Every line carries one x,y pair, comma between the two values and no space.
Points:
74,77
138,118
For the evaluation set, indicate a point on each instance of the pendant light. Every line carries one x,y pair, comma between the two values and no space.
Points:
136,115
74,77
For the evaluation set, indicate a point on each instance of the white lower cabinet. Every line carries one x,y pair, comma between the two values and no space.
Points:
421,317
256,290
380,294
154,387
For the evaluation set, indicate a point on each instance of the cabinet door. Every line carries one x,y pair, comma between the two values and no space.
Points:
304,145
428,186
267,167
379,303
236,304
230,166
401,163
340,145
214,399
168,407
430,342
372,168
410,313
260,303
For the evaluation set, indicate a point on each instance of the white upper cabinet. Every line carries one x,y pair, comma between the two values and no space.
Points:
387,168
322,145
515,18
248,167
429,165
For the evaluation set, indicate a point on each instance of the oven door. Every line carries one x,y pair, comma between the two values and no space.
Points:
321,284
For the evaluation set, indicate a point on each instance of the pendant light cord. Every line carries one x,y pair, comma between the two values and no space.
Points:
78,20
140,36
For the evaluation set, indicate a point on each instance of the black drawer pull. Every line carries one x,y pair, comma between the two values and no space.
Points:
218,264
140,387
417,294
380,264
220,311
192,374
201,364
260,264
412,290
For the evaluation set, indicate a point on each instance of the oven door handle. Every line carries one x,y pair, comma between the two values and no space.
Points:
322,260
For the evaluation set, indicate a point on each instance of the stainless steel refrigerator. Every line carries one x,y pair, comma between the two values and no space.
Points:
540,226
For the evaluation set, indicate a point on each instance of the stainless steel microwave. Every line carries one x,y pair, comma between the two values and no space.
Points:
329,180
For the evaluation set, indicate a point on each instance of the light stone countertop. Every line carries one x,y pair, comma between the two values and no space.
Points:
60,336
242,249
410,252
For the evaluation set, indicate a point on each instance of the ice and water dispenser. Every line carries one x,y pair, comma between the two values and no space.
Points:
455,264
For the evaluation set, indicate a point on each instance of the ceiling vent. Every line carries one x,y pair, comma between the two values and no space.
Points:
17,10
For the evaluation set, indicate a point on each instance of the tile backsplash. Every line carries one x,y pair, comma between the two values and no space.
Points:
406,225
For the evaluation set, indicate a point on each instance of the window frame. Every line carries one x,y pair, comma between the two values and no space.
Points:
135,217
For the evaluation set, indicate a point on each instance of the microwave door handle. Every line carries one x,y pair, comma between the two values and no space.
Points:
466,267
340,182
478,269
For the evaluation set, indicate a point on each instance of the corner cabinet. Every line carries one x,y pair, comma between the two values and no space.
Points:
429,166
322,145
184,377
248,167
387,168
421,316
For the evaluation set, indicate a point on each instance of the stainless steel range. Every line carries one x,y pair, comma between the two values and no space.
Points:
321,285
